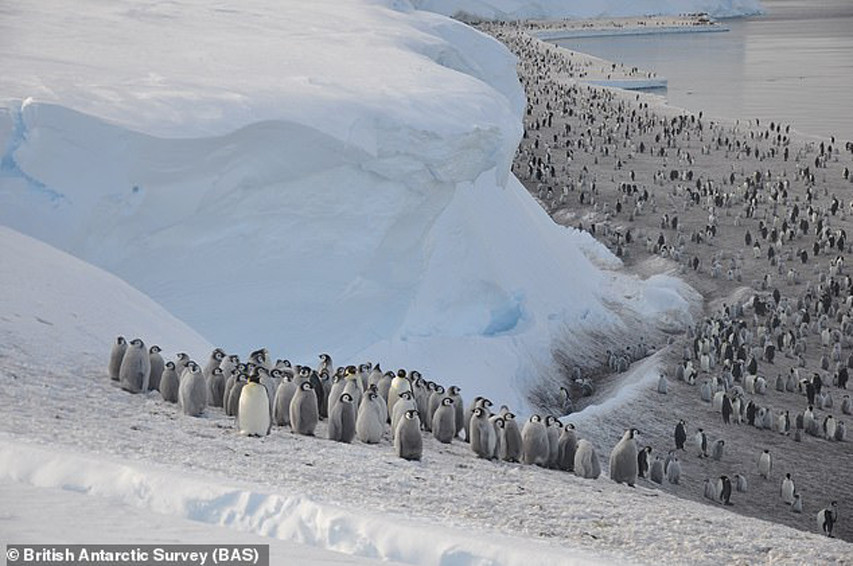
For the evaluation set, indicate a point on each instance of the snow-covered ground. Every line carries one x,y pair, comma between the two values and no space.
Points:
323,176
551,9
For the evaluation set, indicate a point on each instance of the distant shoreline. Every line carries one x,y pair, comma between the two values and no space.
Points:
557,35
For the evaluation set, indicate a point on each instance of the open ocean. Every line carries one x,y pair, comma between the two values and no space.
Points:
794,64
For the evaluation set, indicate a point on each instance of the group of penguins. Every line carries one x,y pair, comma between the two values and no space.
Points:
358,402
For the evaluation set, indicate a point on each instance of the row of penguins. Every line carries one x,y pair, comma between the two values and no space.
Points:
360,401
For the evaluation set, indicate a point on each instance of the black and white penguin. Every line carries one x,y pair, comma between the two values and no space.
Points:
408,442
192,393
680,434
169,383
765,464
135,369
444,421
304,410
116,356
399,385
700,440
724,489
623,459
371,417
157,367
513,437
253,415
786,489
586,460
456,394
534,442
483,437
827,517
342,420
643,461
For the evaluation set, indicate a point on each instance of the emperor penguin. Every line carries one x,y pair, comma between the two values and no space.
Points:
384,386
192,393
623,459
726,409
554,428
656,470
797,505
371,417
765,464
586,460
786,489
353,387
169,383
827,517
829,423
479,402
534,441
116,356
281,402
673,471
337,387
847,405
705,392
513,438
483,437
455,393
342,420
663,385
840,431
135,368
181,363
724,490
700,439
643,461
499,424
567,444
157,367
740,483
231,403
717,454
374,376
444,421
253,415
710,490
680,434
304,411
216,387
408,442
321,392
325,364
405,402
435,400
213,362
399,385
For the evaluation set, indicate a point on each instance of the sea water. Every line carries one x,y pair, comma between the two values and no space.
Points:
793,64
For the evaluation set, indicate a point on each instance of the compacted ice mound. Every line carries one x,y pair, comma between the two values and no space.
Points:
336,178
510,10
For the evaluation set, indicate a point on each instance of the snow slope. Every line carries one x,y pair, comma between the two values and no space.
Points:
324,176
574,9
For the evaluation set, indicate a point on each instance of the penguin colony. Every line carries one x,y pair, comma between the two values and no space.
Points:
768,236
359,402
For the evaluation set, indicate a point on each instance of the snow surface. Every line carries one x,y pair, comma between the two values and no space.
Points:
551,9
336,179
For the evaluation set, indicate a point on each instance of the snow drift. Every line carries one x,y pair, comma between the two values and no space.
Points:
324,176
577,9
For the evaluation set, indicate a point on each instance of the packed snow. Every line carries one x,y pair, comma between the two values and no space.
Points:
576,9
298,195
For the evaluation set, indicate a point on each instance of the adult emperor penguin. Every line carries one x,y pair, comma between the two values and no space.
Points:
304,413
643,461
586,460
513,438
399,384
829,423
673,471
444,421
534,441
135,368
765,464
567,445
342,420
827,517
623,459
281,402
724,490
408,442
483,436
169,383
192,393
700,440
157,367
253,415
786,489
116,355
656,470
370,421
680,434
